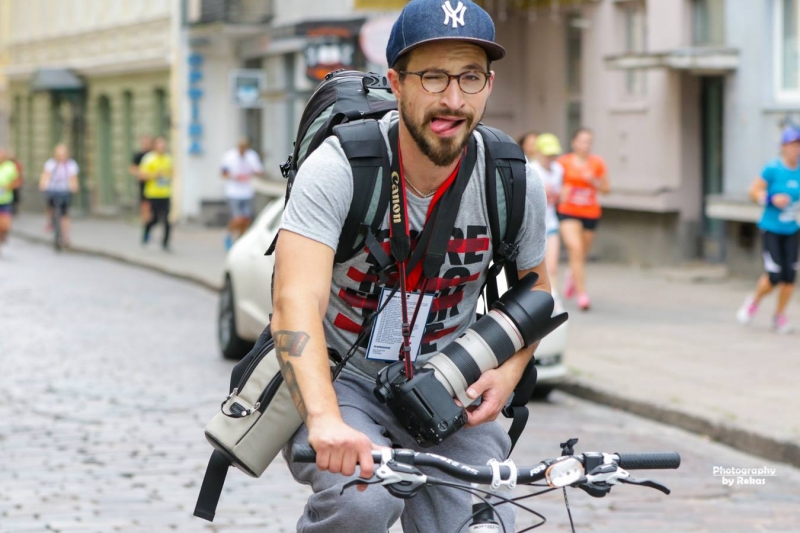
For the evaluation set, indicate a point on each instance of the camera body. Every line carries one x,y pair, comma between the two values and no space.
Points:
421,404
424,405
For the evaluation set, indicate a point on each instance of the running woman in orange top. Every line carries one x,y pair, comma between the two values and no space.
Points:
578,209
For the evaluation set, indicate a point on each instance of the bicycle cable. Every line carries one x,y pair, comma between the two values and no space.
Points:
471,491
569,511
503,500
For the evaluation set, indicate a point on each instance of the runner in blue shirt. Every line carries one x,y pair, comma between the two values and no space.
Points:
778,190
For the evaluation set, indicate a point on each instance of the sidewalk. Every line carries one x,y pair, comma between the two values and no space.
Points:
197,252
657,343
673,351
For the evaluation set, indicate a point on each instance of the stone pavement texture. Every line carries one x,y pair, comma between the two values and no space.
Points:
656,342
109,374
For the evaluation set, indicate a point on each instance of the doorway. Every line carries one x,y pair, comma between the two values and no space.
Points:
711,145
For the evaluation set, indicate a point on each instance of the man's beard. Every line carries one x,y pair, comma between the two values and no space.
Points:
443,151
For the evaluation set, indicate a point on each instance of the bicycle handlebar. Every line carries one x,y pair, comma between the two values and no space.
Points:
303,453
649,460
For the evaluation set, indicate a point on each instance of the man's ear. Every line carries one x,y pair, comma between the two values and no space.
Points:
394,81
490,84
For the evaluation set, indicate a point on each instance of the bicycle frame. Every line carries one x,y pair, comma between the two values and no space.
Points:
59,201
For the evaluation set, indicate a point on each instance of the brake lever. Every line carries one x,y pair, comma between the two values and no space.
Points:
374,480
646,483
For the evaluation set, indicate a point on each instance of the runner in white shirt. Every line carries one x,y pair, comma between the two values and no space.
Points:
239,166
59,181
552,175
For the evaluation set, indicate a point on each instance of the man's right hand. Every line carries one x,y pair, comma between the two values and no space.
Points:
781,200
339,447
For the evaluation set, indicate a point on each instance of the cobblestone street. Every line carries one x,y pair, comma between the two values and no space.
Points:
108,374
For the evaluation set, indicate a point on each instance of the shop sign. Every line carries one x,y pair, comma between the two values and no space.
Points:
195,95
328,54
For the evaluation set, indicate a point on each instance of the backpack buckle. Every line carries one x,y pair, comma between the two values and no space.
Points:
286,166
508,251
375,81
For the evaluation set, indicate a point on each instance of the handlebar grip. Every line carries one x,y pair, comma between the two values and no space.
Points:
649,461
303,453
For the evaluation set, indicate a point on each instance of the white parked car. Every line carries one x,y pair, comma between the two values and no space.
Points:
246,300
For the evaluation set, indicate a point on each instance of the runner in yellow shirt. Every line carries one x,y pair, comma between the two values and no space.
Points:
156,172
9,178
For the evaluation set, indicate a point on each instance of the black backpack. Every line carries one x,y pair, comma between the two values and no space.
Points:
348,104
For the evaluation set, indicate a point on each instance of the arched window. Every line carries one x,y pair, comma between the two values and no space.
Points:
162,120
105,172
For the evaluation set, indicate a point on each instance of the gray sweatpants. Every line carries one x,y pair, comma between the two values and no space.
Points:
432,510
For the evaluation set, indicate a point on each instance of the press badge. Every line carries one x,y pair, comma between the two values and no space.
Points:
387,332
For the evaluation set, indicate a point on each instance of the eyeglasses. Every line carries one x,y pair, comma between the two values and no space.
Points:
437,81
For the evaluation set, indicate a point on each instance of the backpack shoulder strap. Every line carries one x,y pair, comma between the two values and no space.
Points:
365,148
505,194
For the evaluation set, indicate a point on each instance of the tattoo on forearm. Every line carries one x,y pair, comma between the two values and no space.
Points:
294,388
290,343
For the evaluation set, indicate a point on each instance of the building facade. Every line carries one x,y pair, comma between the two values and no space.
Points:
93,75
557,77
5,30
686,97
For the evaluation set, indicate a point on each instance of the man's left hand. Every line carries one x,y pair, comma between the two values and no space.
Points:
496,387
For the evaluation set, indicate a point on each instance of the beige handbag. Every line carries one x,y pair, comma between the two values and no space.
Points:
253,424
257,418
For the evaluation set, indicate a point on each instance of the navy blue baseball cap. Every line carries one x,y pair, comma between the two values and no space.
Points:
425,21
790,134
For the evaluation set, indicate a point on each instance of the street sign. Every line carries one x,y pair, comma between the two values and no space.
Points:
247,86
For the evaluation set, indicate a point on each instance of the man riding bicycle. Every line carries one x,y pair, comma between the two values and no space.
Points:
440,57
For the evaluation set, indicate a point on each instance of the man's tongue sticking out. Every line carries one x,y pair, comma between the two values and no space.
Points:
441,125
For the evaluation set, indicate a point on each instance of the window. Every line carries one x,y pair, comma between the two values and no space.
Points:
161,114
574,60
127,121
574,55
787,49
16,124
631,21
708,23
634,36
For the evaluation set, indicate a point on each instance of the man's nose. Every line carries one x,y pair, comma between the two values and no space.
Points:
453,96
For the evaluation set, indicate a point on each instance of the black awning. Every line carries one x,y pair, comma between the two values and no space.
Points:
56,79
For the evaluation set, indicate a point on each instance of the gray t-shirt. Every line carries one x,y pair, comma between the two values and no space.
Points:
318,206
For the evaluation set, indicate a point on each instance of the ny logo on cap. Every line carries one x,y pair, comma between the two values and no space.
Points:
456,15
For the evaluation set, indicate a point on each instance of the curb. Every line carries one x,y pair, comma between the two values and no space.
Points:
743,440
131,261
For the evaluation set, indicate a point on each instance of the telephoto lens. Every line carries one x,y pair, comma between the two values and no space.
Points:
520,318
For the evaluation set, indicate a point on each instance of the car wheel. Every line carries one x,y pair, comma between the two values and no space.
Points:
231,345
541,392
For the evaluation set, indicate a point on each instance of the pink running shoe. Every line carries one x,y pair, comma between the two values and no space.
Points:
583,301
781,325
569,285
747,311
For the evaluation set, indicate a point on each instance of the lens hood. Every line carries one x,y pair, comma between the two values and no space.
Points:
530,310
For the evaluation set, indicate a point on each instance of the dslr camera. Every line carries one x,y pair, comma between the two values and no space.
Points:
425,404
